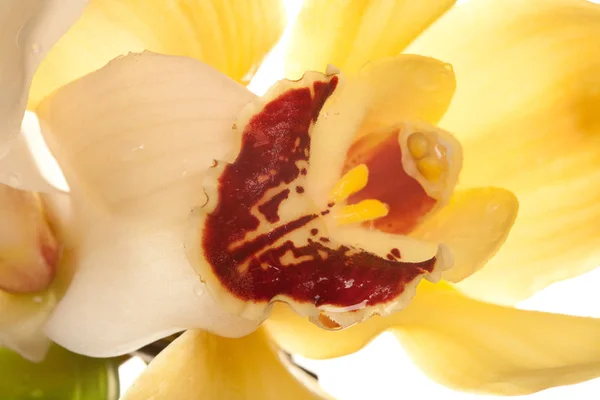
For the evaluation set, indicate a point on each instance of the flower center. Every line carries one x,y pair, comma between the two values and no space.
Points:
411,168
261,238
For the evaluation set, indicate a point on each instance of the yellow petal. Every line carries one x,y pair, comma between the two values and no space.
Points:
199,365
231,36
526,111
385,94
28,28
466,344
350,33
474,225
406,87
133,140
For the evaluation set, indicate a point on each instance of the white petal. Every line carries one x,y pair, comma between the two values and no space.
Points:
22,318
28,29
133,140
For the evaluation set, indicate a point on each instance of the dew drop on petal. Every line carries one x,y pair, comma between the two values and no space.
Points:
491,208
199,289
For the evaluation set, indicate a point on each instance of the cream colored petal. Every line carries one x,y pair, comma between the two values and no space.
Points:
232,36
466,344
29,251
33,267
526,111
350,33
22,319
199,365
28,29
133,140
19,169
473,225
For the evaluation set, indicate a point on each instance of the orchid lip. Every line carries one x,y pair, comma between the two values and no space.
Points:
262,238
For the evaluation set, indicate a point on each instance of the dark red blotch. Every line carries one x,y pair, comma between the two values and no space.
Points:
389,183
274,140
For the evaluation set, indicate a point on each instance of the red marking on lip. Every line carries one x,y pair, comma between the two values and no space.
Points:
277,139
271,207
389,183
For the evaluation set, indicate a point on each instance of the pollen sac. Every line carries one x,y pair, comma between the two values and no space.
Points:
29,252
260,238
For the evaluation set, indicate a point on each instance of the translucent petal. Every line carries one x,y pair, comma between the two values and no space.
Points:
474,226
408,87
133,140
28,29
350,33
466,344
22,319
199,365
230,35
18,168
525,111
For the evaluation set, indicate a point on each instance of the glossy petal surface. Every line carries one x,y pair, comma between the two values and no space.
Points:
261,237
474,225
135,175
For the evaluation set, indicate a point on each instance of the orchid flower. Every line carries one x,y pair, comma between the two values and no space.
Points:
29,30
321,205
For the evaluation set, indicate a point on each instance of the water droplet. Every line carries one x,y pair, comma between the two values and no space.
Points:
14,180
140,147
184,173
491,208
37,299
36,48
199,289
